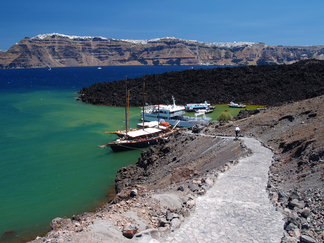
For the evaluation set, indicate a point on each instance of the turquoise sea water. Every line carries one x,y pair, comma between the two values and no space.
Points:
50,164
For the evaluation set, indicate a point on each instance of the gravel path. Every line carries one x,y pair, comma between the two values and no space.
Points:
237,207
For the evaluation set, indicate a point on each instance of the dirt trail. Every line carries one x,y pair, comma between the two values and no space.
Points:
237,207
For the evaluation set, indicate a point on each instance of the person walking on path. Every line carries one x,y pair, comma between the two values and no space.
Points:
237,131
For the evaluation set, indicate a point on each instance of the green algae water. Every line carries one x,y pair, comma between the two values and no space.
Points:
50,163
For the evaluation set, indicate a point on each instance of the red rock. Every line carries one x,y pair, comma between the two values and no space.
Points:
129,233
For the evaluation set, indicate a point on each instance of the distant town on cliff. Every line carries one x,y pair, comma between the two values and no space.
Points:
59,50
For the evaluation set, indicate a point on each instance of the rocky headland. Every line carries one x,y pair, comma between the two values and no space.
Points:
269,85
157,194
58,50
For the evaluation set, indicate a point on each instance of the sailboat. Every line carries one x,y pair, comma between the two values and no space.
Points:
141,137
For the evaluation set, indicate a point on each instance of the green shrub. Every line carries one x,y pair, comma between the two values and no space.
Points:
225,117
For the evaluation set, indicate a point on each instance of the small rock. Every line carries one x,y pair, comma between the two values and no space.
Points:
133,193
180,188
162,222
289,239
129,231
287,211
193,187
58,223
297,232
209,181
294,195
282,197
306,239
175,223
197,182
306,212
290,227
196,129
201,192
295,203
169,216
242,145
186,212
304,226
191,203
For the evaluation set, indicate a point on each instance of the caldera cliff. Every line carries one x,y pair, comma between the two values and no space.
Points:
58,50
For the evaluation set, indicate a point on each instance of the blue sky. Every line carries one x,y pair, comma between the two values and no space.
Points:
273,22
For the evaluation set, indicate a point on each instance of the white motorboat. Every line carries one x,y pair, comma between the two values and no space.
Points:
172,114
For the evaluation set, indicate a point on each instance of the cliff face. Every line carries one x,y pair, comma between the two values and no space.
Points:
56,50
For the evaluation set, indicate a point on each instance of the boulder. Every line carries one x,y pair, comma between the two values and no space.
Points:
290,227
196,129
169,200
175,223
59,223
306,212
306,239
191,203
133,193
296,203
129,231
193,187
169,215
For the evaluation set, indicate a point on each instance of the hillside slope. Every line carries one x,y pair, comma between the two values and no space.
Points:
270,85
296,181
57,50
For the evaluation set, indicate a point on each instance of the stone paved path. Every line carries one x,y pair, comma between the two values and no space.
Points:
236,208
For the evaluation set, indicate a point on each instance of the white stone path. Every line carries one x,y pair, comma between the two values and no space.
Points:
237,207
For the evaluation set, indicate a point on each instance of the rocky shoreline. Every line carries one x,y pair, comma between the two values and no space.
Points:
151,202
157,193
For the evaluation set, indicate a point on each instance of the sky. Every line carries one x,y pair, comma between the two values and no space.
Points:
274,22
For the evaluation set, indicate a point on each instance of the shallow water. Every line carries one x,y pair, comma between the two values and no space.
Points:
50,164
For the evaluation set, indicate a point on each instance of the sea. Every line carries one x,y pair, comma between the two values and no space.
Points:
50,164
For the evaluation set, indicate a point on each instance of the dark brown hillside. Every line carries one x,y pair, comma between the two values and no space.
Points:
270,85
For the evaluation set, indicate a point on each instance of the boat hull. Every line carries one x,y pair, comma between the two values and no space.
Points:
189,122
120,147
125,145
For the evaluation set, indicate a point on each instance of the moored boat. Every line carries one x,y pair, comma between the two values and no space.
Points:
172,114
199,106
146,134
236,105
140,138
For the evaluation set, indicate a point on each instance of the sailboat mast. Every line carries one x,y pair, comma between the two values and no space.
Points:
143,103
128,94
159,104
126,108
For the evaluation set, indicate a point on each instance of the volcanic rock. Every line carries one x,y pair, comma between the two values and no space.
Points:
250,85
